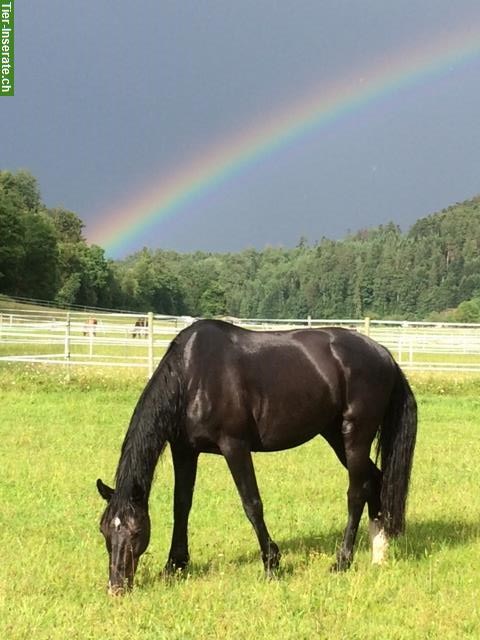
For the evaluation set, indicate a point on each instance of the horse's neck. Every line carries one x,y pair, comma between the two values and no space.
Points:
151,425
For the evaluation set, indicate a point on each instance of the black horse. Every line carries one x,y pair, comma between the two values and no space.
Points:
222,389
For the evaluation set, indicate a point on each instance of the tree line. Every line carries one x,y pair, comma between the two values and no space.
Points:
431,271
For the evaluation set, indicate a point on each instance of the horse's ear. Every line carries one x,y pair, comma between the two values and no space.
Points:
105,491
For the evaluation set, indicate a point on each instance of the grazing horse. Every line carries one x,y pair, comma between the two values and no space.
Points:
226,390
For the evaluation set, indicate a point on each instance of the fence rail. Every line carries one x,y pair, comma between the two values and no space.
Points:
128,340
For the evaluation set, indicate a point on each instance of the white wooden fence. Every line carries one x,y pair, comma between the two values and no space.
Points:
113,340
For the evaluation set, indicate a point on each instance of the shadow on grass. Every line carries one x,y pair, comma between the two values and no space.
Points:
429,536
420,540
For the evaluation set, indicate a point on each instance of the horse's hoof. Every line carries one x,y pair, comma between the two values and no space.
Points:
173,569
271,567
340,567
272,572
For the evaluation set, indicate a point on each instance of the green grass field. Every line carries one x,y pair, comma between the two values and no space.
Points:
57,438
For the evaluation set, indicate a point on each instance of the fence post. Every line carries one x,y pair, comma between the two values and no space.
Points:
91,334
150,344
67,346
367,326
309,320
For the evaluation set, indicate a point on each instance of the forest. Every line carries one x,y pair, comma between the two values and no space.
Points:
429,272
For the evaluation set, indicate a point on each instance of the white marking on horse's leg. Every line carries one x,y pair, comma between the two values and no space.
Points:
378,540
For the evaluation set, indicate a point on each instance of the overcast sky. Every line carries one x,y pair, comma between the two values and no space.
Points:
112,95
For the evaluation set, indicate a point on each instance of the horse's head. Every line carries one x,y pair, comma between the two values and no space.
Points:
126,529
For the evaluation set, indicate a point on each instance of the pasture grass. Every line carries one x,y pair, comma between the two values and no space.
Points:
57,437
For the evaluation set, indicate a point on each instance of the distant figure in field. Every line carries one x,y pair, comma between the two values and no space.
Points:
89,328
140,328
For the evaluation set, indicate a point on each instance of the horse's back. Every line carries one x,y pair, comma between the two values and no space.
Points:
277,389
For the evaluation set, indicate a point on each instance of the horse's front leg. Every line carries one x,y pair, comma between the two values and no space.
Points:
185,471
239,460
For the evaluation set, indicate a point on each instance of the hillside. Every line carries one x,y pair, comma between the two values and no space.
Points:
431,270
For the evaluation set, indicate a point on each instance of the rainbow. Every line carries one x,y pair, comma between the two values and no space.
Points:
117,227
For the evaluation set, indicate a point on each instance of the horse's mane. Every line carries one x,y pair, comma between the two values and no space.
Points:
154,421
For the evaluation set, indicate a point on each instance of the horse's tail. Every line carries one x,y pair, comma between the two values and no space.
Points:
396,444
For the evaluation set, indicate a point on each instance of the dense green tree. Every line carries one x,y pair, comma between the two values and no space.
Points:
28,252
67,294
68,225
147,282
212,301
468,311
40,260
94,276
24,187
12,245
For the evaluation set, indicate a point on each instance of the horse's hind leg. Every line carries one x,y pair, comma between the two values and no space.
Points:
239,460
374,484
378,539
357,453
185,469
